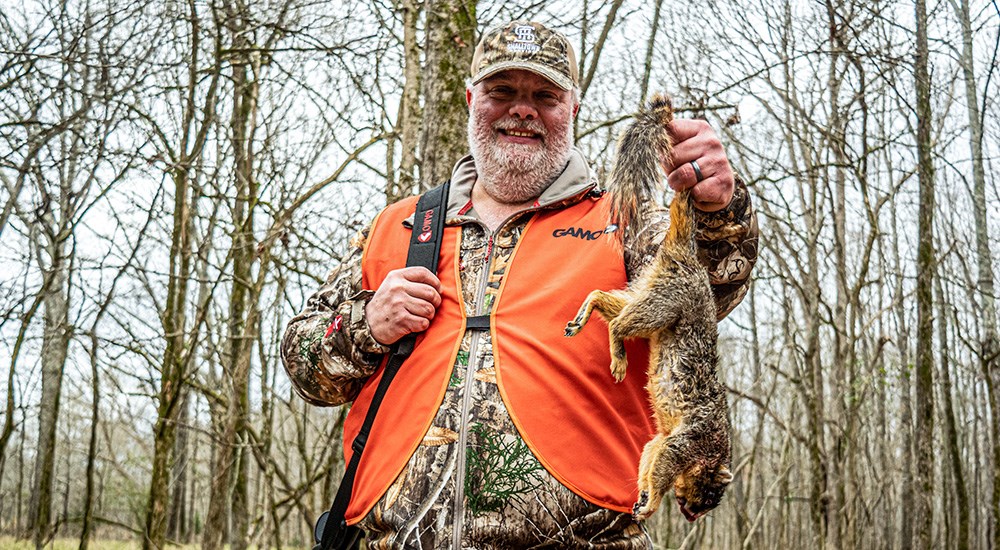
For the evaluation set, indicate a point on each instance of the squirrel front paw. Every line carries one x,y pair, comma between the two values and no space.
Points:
572,329
642,509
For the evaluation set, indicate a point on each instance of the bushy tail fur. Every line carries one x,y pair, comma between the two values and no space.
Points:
636,178
679,239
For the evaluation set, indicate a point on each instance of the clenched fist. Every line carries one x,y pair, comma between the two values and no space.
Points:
405,302
695,140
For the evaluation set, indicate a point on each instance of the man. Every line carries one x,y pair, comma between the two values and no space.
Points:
511,437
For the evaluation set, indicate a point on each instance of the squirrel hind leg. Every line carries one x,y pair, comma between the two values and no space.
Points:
646,316
619,359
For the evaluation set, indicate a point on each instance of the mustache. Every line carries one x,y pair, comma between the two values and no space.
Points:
523,125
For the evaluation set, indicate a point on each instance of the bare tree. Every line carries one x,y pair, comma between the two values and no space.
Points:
989,347
408,125
62,164
924,401
229,487
450,40
180,151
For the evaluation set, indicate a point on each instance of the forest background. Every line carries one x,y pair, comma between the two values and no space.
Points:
178,176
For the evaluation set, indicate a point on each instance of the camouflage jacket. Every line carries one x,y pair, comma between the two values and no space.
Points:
473,482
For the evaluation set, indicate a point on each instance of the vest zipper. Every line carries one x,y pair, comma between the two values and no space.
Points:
463,435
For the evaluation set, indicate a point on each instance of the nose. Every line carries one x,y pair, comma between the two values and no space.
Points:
523,109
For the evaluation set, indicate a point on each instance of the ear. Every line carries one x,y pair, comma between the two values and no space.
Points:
576,109
468,96
724,475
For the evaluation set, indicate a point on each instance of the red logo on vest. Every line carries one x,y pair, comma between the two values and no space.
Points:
426,228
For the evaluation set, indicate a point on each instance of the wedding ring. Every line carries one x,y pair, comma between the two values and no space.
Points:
697,171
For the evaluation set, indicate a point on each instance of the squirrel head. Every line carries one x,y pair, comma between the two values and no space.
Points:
700,488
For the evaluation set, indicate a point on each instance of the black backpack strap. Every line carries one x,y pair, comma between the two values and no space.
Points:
428,223
424,250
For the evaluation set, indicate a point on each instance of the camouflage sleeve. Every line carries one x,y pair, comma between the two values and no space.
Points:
328,350
641,250
727,246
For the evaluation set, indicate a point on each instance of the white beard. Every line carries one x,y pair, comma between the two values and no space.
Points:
514,173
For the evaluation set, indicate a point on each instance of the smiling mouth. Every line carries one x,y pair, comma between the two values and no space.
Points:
520,133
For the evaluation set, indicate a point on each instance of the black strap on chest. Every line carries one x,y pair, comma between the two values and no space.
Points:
479,322
425,249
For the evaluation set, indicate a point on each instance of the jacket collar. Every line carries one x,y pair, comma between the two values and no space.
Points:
575,181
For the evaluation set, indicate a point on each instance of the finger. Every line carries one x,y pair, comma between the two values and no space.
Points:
420,274
424,293
697,148
414,323
682,129
410,323
684,177
420,308
711,195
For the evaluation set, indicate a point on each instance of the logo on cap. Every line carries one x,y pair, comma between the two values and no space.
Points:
524,41
525,33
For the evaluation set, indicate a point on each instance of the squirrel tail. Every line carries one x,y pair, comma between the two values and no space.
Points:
636,178
680,234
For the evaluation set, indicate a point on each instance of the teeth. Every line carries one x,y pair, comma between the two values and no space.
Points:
515,133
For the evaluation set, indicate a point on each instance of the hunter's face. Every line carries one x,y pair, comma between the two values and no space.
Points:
520,132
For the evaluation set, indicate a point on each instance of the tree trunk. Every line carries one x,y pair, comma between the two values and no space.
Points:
924,398
95,416
176,522
839,447
230,469
177,353
989,348
174,323
55,346
19,519
950,426
647,66
450,30
11,401
905,380
408,124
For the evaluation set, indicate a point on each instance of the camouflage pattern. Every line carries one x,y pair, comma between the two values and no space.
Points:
530,46
727,246
503,495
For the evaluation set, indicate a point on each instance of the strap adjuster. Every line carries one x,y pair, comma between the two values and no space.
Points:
479,322
359,442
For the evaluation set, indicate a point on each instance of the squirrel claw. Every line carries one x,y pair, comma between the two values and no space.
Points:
640,510
572,329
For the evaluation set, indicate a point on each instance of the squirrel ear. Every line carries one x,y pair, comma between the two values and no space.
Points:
725,476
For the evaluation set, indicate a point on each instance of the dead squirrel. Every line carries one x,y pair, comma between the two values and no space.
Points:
671,304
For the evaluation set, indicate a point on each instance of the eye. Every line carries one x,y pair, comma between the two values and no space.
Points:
501,91
547,97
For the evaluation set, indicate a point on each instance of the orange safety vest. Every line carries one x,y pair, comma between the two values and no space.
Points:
584,428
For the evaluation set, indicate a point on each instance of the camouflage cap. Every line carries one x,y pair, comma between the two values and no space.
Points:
530,46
